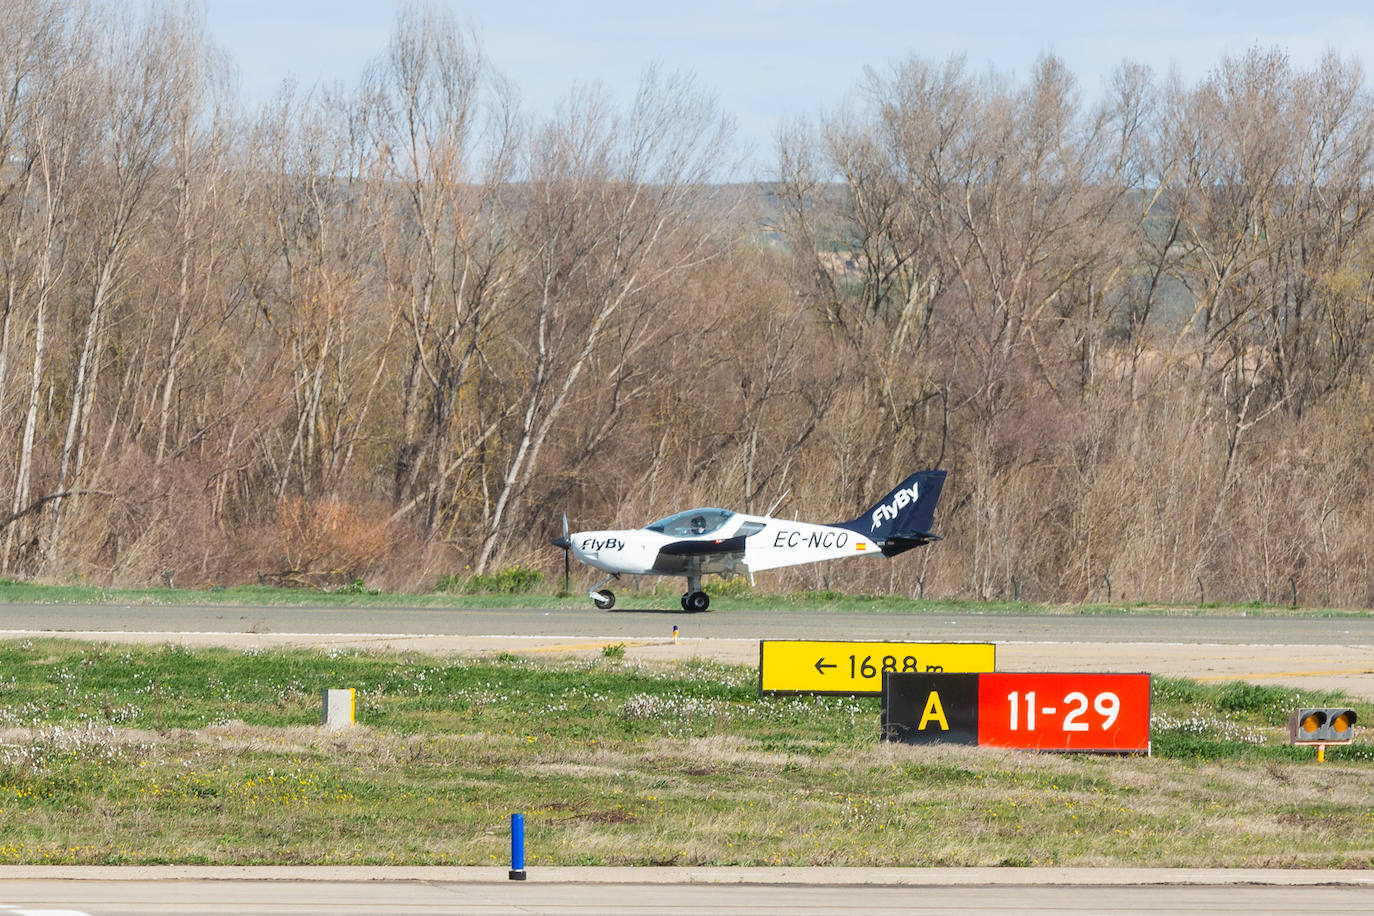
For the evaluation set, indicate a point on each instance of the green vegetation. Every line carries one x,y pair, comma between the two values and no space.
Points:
512,580
357,587
113,754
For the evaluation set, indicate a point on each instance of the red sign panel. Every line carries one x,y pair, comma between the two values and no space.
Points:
1065,712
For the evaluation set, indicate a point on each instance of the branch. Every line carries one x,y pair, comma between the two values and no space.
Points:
43,500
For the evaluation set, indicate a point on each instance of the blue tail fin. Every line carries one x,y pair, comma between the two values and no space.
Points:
904,517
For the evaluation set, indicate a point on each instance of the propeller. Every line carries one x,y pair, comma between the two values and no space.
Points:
566,545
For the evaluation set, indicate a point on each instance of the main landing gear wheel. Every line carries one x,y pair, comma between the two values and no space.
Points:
696,601
604,599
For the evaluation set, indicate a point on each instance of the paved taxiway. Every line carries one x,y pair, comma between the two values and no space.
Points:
295,890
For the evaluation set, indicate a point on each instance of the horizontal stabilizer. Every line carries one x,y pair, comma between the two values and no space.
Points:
901,543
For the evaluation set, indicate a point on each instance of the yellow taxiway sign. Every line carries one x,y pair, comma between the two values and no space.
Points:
811,666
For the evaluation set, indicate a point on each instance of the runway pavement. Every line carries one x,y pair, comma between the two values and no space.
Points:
780,623
1320,653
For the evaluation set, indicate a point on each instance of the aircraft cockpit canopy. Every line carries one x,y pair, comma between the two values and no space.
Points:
693,522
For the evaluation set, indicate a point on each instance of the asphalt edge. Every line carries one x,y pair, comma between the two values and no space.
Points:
837,876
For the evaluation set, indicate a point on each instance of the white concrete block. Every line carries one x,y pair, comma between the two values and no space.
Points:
339,707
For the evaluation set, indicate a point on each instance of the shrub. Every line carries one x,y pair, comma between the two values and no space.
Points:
734,587
513,580
1252,698
356,587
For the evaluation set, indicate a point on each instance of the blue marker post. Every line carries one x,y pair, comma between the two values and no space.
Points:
517,847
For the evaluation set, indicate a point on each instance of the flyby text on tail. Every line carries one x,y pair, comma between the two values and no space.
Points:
903,519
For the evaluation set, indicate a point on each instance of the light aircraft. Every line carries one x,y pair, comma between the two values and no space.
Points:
705,541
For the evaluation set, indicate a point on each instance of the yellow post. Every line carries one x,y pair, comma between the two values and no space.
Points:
1321,753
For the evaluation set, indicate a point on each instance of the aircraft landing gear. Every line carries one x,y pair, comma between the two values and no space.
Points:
603,598
696,601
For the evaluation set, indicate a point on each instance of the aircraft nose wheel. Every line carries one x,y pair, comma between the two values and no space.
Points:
696,601
604,599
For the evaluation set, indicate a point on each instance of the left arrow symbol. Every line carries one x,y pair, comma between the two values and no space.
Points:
821,665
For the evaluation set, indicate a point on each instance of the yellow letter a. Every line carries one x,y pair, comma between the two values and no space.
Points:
934,712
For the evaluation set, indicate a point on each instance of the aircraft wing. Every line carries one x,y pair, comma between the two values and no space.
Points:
697,547
723,556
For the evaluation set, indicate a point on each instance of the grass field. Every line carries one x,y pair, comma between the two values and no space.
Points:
115,754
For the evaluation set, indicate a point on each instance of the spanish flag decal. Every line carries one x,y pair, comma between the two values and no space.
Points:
861,546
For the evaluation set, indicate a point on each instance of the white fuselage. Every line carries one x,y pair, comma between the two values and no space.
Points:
742,544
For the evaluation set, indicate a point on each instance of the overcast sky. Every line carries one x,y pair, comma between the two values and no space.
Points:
769,61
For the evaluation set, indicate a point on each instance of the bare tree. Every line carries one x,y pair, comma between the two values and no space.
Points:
445,140
134,85
49,117
612,216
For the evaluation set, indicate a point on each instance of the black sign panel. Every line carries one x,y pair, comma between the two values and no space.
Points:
920,708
